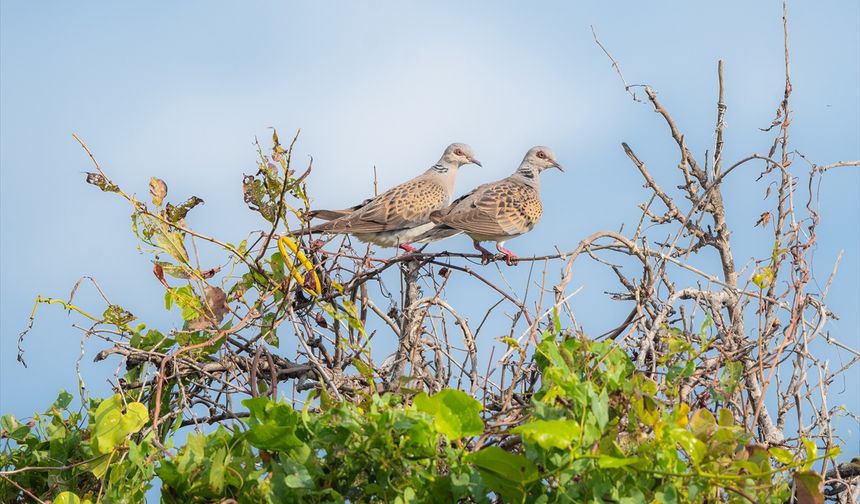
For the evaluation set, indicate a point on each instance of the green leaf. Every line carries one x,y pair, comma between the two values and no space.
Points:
455,413
550,433
63,400
272,425
504,473
600,407
134,419
811,450
781,455
118,316
186,300
67,498
727,418
703,424
106,428
216,470
112,426
607,462
693,446
296,475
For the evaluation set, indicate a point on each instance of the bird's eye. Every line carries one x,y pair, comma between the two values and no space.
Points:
458,152
541,155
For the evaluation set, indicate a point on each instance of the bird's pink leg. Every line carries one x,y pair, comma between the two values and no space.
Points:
486,255
407,247
510,257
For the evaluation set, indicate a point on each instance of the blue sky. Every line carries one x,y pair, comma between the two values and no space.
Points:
179,91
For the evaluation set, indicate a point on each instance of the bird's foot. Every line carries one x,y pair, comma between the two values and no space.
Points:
486,255
408,248
511,259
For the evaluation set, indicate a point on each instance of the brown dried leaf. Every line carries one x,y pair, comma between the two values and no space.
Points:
210,272
158,271
215,305
158,190
763,219
808,486
321,321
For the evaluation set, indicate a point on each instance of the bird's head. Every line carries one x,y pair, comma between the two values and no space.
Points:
541,158
459,154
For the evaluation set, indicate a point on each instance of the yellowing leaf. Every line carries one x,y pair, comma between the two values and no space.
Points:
763,278
67,498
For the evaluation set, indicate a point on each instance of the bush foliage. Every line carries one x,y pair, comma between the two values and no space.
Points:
595,432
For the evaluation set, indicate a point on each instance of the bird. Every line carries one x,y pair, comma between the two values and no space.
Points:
497,211
395,217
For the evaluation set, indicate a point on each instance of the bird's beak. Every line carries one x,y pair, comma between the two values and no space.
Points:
555,164
475,161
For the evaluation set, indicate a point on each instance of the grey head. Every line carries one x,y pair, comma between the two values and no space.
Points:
540,158
457,155
537,159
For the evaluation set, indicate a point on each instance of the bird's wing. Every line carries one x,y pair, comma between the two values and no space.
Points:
401,207
504,208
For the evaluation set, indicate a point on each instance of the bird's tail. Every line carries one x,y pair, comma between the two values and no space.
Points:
332,216
319,228
329,215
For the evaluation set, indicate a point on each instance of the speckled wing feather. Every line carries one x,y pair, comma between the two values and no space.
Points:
505,208
401,207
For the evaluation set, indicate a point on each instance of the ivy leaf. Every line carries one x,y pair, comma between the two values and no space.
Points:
112,428
272,425
112,425
455,413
